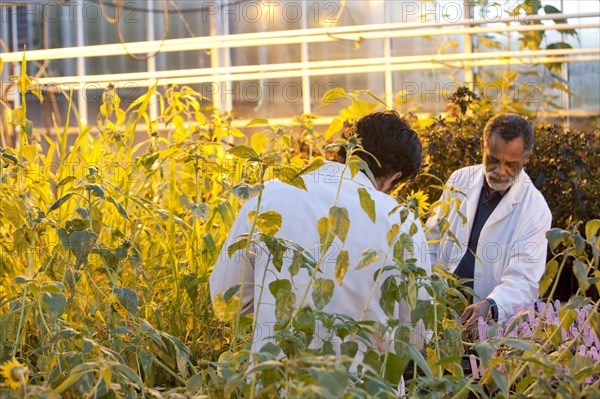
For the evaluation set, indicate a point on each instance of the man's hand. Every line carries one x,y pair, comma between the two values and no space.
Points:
470,318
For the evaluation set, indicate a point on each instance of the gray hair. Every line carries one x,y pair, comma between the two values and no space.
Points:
509,127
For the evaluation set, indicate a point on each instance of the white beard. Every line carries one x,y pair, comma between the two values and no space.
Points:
497,185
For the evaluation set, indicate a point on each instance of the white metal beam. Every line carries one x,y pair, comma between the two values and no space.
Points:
297,36
334,67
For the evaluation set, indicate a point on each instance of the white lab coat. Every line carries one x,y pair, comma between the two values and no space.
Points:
300,212
511,254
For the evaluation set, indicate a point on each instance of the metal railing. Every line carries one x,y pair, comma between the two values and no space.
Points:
221,72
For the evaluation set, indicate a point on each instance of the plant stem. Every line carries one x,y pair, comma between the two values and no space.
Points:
22,316
236,329
90,216
262,288
555,285
436,340
39,302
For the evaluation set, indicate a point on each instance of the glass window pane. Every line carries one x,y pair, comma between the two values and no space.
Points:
269,98
373,81
425,90
583,78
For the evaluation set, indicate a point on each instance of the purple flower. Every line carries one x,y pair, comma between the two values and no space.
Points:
474,368
482,329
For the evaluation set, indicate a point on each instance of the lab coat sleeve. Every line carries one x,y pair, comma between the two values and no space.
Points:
229,270
519,283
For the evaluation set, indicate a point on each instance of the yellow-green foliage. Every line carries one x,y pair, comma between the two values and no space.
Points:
107,243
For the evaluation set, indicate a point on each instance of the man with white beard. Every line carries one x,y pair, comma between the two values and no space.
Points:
500,249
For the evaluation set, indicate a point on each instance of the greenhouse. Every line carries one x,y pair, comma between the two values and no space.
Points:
299,199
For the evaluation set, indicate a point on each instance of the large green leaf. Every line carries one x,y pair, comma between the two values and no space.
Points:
314,165
349,348
367,257
329,384
59,202
591,228
390,295
556,237
292,177
81,243
341,266
128,298
548,9
54,303
285,304
269,222
339,222
277,248
322,292
418,358
225,310
336,125
367,203
279,285
242,151
120,208
500,380
325,234
194,385
484,350
236,246
333,94
305,321
549,276
394,367
257,121
580,270
96,189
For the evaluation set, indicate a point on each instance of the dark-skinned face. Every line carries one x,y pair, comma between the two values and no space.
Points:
503,160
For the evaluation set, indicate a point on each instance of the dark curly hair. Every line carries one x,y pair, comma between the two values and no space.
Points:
509,127
389,138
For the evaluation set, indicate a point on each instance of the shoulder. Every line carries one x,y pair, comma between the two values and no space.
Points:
534,199
464,176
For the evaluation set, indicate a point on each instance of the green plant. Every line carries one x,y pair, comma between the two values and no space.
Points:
107,245
105,312
550,340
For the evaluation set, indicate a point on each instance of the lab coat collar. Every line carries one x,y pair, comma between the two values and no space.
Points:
508,201
472,192
333,171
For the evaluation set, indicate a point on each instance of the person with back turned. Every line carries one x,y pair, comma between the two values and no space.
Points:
393,153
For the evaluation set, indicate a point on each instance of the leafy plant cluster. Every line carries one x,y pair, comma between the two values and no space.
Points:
107,246
559,339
